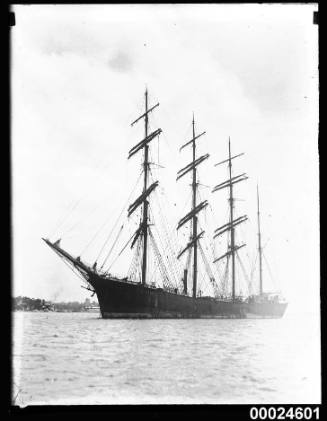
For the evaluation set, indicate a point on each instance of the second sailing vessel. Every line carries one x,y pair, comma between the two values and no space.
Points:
127,297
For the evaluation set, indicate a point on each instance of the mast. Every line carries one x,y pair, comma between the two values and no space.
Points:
143,198
259,243
231,210
230,226
145,204
192,215
195,219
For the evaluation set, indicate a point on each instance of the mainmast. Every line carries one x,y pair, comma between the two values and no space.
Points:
230,226
192,215
259,244
145,204
144,144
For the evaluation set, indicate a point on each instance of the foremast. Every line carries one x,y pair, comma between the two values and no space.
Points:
192,215
230,226
143,198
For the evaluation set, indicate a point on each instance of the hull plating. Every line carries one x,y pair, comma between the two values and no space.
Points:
122,299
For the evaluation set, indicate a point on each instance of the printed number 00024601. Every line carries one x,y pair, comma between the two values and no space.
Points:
281,413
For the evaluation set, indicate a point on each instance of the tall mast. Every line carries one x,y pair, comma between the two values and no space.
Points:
192,215
195,219
147,190
231,210
259,244
145,204
230,226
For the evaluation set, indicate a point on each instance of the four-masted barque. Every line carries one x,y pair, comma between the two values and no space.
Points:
123,297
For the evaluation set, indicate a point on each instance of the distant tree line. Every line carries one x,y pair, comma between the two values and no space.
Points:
32,304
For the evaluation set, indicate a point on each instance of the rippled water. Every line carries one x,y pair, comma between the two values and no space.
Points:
79,358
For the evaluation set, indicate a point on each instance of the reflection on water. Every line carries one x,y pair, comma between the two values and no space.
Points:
79,358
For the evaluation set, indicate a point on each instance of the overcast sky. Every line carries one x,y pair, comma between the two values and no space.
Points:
78,80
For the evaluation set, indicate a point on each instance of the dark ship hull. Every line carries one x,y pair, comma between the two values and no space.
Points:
119,298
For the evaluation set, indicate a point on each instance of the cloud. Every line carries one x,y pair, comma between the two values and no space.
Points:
121,62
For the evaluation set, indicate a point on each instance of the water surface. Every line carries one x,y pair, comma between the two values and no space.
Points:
79,358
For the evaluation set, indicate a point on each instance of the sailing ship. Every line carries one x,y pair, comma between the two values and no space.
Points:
137,297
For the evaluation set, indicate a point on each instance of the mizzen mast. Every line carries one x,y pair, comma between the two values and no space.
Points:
196,208
259,243
230,226
142,199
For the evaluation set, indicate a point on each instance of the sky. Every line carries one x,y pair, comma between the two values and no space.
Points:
78,77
